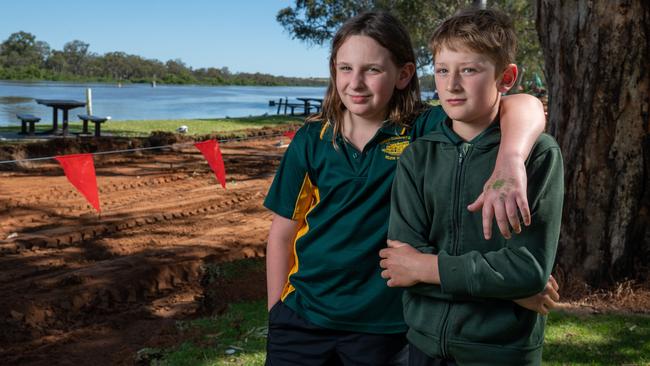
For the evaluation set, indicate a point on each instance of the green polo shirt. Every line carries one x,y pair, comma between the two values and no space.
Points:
341,199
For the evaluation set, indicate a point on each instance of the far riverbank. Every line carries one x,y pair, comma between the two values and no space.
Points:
144,102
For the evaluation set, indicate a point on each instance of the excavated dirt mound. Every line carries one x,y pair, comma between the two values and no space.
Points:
81,288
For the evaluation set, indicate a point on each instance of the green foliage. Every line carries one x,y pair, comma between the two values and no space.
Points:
529,53
22,57
316,22
22,50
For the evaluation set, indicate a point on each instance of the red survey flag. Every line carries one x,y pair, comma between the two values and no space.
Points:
80,171
212,153
289,134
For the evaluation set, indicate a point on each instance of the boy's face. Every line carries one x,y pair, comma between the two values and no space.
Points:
467,86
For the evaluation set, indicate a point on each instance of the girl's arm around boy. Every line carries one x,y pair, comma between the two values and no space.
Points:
511,269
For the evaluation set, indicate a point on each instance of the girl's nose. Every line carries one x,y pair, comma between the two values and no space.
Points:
356,80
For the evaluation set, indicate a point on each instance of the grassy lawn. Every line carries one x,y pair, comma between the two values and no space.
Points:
570,339
597,339
238,336
142,128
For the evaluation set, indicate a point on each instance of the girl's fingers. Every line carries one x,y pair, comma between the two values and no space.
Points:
522,203
511,211
478,204
502,220
488,216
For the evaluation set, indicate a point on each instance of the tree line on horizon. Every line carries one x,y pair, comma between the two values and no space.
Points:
23,57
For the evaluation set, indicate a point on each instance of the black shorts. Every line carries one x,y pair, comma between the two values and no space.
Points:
294,341
419,358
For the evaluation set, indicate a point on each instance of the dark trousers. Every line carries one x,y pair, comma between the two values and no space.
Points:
419,358
294,341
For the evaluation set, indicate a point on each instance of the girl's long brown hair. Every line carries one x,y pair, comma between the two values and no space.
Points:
389,32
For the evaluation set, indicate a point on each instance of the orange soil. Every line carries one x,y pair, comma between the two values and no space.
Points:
79,288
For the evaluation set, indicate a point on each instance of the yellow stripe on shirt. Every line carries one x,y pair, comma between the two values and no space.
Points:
308,198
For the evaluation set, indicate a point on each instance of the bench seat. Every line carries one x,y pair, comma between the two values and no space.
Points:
97,120
24,120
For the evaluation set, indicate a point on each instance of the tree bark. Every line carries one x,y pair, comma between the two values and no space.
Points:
598,74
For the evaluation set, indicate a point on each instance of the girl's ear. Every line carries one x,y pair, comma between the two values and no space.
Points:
508,78
405,74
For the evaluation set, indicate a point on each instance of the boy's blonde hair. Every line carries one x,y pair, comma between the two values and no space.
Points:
389,32
485,31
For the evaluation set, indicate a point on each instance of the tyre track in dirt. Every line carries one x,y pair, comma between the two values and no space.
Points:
72,277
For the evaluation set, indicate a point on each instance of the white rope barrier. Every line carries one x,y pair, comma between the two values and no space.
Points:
144,148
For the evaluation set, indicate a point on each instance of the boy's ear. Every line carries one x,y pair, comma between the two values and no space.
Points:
508,78
405,74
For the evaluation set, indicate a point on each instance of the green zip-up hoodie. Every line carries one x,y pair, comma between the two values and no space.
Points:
471,317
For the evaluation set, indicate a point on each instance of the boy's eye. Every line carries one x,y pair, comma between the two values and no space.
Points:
468,70
374,69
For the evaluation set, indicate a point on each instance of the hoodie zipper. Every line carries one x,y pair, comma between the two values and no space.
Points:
463,151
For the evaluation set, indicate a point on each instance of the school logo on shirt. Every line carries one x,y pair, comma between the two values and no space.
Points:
394,146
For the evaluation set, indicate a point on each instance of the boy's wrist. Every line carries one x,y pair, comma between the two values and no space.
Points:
429,273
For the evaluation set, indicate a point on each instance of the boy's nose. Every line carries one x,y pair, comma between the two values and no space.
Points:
453,82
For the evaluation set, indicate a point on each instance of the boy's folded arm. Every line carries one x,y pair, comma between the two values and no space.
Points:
522,268
506,274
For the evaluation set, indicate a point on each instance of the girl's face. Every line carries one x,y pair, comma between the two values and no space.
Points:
366,77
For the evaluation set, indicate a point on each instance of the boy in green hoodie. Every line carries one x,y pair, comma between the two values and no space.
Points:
458,302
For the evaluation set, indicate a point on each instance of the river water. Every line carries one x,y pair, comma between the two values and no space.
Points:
141,101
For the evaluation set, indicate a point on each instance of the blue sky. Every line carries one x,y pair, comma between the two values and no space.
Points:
242,35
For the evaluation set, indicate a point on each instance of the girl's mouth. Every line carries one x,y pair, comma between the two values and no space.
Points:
359,98
456,101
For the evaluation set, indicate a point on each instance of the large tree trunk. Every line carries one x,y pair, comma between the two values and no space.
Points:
597,68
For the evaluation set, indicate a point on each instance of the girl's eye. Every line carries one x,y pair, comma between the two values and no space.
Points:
345,68
441,70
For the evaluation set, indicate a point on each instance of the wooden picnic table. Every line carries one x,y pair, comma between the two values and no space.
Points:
63,104
308,106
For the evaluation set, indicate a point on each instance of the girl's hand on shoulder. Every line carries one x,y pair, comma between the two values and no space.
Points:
504,198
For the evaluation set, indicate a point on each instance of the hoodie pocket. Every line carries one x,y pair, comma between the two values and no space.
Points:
498,322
